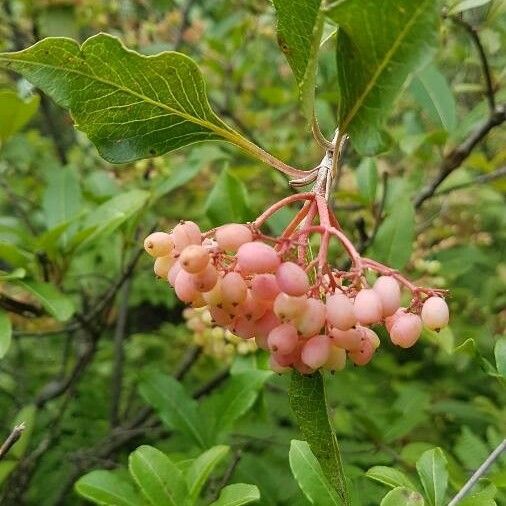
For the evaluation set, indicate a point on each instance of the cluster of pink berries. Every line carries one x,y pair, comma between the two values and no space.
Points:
308,315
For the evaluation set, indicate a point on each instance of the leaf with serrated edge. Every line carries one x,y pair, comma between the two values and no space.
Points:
431,467
131,106
300,28
378,45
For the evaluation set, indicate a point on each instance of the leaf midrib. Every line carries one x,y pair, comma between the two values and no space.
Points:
388,57
192,119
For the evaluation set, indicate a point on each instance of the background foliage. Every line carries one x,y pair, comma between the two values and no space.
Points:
97,358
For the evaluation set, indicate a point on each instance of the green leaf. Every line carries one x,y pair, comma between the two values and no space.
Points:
237,494
14,255
54,302
500,356
464,5
159,479
19,273
378,45
174,406
62,196
430,88
25,416
431,467
483,497
5,333
233,400
106,487
309,475
300,28
228,200
367,179
390,477
309,405
470,449
394,240
131,106
202,467
15,113
402,496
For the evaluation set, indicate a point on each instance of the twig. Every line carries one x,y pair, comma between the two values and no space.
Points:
487,74
11,440
478,473
227,474
185,22
457,156
484,178
18,307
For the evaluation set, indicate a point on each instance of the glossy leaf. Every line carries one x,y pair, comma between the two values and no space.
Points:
394,240
228,200
174,406
367,179
402,496
233,401
308,402
309,475
159,479
202,467
54,302
431,90
15,113
431,467
131,106
107,488
237,494
300,27
378,45
390,477
5,333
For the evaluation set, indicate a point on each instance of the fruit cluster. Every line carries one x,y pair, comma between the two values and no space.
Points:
307,313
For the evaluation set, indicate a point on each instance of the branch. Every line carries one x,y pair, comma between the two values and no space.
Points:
479,473
457,156
18,307
483,179
185,23
490,91
11,440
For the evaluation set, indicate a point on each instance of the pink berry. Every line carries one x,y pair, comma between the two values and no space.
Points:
350,340
214,297
276,367
367,307
264,287
186,233
370,335
288,308
220,316
184,287
243,327
316,351
205,280
336,360
340,312
312,318
364,355
257,258
173,272
251,309
194,258
265,324
389,293
230,237
292,279
162,266
283,339
390,320
435,313
234,289
159,244
406,330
